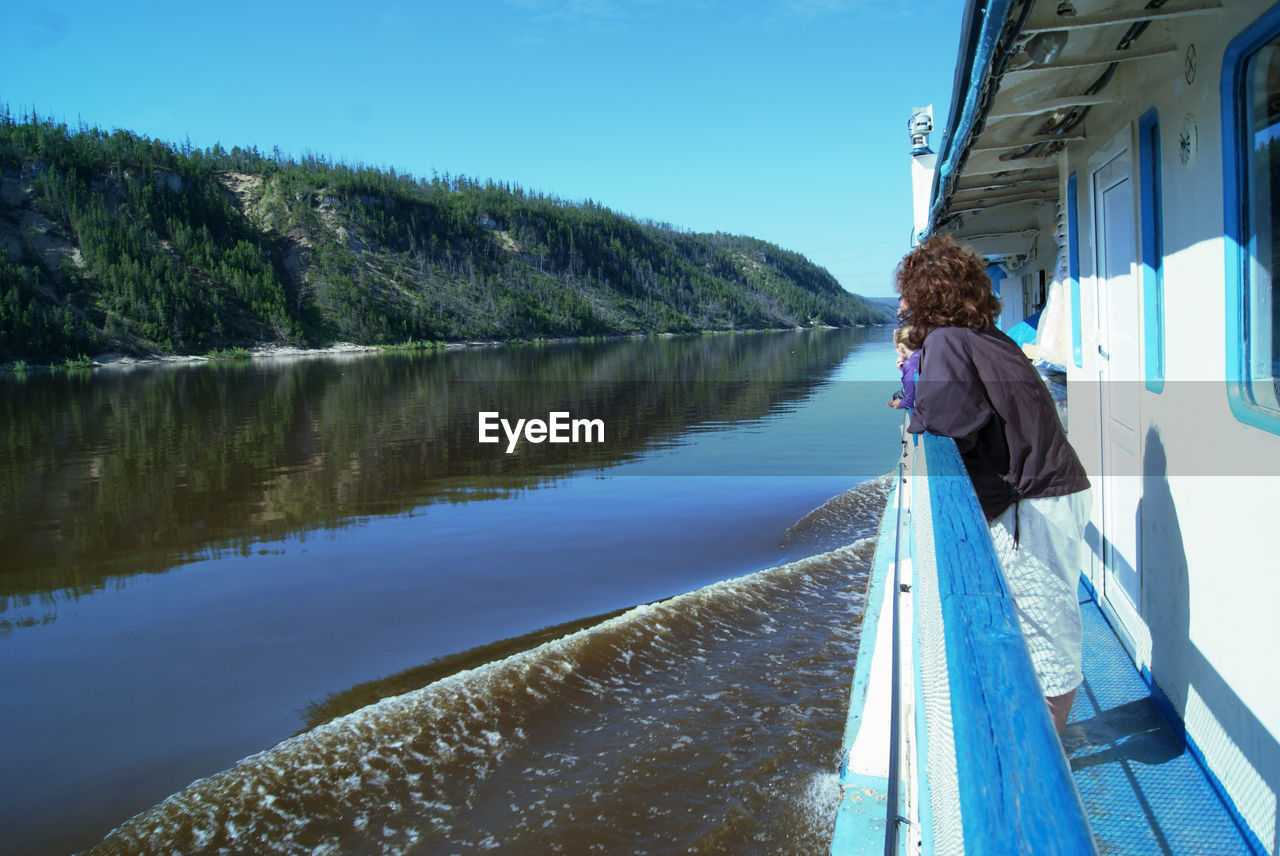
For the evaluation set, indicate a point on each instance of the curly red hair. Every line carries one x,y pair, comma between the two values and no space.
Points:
944,285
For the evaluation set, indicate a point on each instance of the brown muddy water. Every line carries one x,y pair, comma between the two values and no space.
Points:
296,606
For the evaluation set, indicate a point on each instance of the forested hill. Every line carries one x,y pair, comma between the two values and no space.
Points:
116,242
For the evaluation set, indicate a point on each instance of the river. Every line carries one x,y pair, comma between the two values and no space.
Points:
296,606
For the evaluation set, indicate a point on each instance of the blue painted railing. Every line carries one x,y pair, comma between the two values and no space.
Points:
1016,791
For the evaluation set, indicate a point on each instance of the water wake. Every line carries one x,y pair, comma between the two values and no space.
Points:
717,713
841,519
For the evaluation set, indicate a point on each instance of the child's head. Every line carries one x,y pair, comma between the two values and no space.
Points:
900,338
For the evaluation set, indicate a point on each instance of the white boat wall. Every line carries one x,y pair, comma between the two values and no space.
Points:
1118,163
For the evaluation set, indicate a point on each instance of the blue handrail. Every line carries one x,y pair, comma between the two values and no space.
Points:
1016,791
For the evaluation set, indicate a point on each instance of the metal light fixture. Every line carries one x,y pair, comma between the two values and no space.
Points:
1044,48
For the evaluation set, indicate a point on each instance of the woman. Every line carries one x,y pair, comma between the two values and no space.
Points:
977,386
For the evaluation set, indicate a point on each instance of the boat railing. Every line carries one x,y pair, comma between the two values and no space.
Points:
1016,794
974,763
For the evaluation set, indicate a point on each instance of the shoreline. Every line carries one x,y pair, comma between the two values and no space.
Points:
263,350
259,351
267,350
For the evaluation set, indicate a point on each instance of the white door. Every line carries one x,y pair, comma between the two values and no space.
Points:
1119,321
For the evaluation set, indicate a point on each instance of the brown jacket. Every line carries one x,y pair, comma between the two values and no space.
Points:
980,389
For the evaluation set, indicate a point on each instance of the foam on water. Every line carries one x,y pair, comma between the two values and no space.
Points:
840,519
718,712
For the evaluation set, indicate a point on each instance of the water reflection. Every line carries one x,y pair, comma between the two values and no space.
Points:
121,473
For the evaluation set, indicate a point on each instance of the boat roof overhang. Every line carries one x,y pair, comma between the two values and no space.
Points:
1027,75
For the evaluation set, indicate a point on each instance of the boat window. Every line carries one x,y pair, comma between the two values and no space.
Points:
1261,161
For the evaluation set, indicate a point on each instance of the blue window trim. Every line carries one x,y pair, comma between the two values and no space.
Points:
1235,197
1152,250
1073,269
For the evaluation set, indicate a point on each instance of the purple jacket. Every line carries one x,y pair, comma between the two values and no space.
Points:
909,369
980,389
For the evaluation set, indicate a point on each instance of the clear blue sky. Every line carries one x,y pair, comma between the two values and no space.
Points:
780,119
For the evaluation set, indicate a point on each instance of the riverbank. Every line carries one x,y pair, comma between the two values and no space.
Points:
263,350
269,350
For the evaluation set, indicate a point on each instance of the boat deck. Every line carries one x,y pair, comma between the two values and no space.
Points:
1142,789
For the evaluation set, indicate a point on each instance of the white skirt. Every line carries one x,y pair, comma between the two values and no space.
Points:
1042,571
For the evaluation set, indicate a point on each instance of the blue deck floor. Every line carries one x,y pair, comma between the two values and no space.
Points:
1143,790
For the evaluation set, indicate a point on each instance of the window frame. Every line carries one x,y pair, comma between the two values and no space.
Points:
1233,94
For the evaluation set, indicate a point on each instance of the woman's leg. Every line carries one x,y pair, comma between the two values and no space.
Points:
1060,709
